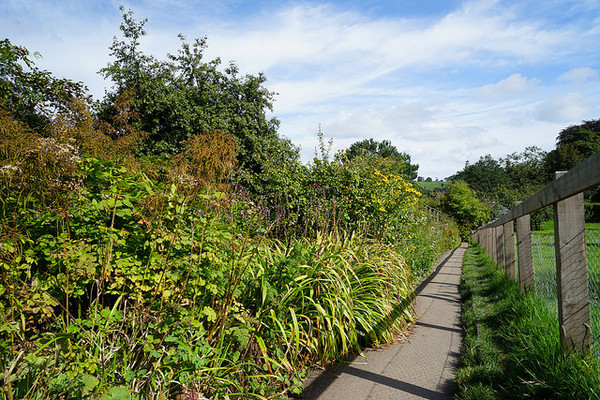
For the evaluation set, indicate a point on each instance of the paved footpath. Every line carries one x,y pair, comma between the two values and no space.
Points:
419,367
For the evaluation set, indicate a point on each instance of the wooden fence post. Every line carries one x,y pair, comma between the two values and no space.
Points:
525,253
493,247
486,240
500,246
509,250
490,242
571,274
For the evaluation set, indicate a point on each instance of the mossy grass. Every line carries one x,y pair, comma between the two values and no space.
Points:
511,347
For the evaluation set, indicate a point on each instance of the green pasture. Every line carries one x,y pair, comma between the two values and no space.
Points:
544,260
429,187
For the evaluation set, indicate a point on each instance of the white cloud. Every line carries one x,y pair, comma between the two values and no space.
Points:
406,79
514,84
321,37
570,107
579,75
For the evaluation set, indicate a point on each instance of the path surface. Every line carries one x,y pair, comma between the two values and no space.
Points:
420,367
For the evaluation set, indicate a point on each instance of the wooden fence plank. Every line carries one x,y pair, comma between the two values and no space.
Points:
499,231
571,274
525,253
509,250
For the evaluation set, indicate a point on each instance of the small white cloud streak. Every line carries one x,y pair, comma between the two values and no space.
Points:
319,37
563,108
514,84
579,75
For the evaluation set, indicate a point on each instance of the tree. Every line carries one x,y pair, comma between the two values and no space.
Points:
30,95
485,176
461,203
384,149
574,144
583,138
524,169
184,95
500,183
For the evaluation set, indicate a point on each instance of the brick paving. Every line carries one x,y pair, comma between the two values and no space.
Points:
419,367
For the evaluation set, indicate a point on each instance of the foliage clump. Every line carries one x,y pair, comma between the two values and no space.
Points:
184,96
461,203
144,254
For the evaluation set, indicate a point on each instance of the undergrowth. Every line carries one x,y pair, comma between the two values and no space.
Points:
511,347
122,280
218,267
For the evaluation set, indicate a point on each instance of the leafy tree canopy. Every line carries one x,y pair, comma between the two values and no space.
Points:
574,144
500,183
29,94
583,138
525,169
184,95
485,176
461,203
384,149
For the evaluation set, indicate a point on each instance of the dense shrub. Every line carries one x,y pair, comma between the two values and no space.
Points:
129,282
164,276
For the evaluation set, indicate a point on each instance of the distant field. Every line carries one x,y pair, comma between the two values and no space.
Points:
431,186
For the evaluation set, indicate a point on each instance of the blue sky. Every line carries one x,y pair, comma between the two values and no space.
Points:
446,81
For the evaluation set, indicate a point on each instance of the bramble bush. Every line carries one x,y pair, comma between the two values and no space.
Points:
116,281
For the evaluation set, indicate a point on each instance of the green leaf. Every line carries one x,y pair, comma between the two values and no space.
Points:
89,383
209,313
117,393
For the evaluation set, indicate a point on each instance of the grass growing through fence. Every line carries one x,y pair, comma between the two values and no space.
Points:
511,347
544,261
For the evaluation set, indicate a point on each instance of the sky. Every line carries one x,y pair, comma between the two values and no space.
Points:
445,81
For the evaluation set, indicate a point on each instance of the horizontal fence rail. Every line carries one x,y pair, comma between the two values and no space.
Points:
565,195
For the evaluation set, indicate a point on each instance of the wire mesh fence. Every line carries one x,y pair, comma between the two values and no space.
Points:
592,241
544,264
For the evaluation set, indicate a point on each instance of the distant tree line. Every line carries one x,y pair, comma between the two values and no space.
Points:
499,183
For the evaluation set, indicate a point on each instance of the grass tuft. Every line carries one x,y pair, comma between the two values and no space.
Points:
511,347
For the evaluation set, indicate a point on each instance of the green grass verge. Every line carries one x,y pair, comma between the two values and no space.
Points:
511,347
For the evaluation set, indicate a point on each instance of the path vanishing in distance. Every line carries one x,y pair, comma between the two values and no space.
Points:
418,367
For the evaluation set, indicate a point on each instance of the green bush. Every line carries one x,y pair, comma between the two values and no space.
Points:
127,276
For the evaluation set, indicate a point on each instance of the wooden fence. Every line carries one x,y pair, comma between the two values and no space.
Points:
565,194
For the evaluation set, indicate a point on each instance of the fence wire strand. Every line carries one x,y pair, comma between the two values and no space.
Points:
544,264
